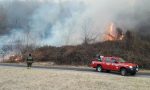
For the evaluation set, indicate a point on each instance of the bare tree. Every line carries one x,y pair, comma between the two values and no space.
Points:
119,33
4,50
88,35
27,44
129,40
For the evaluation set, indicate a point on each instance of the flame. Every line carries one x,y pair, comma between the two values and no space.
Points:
121,38
111,34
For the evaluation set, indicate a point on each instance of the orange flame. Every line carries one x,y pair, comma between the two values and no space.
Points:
121,38
111,34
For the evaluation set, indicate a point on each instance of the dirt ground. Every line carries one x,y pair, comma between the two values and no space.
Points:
15,78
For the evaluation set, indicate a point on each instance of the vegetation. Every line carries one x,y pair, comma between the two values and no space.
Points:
132,48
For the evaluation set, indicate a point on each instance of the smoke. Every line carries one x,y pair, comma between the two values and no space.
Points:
136,16
61,22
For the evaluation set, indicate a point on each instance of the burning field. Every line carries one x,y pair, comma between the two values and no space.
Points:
74,31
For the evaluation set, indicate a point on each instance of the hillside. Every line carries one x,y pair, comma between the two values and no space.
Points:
133,49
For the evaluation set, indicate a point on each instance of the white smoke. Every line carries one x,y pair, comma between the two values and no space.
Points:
61,22
65,19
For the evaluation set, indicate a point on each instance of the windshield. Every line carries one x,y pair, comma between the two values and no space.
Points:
121,60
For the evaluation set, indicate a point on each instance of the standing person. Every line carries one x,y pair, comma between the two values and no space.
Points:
29,61
98,57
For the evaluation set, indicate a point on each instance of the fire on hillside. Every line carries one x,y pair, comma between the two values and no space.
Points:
113,34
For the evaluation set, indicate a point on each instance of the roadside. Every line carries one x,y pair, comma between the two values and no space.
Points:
41,65
20,78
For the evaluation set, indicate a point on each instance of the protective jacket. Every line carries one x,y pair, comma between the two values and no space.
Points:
30,59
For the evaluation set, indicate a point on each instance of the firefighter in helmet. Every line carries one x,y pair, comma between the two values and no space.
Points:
99,57
29,61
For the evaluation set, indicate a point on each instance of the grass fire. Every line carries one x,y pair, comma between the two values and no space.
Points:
57,44
73,32
113,33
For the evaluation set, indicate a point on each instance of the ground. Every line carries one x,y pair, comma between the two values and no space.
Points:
21,78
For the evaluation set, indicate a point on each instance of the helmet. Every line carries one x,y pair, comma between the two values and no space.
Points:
30,54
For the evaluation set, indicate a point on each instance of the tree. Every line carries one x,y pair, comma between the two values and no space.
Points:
89,36
119,33
4,50
129,40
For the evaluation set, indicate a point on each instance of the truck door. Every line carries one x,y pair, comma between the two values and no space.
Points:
114,64
107,63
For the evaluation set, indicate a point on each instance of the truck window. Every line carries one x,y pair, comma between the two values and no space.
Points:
121,60
113,60
108,60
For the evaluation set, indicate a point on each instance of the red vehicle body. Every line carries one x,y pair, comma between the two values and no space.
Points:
114,64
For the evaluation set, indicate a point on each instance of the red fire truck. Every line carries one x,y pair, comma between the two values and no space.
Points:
114,64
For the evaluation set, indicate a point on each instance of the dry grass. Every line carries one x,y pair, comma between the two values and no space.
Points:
145,71
44,79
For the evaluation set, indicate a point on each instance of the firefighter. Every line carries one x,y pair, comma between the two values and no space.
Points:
99,57
29,61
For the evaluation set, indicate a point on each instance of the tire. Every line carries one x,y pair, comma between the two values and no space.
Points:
123,72
133,73
108,71
99,68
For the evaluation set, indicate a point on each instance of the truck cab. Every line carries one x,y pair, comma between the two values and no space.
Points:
114,64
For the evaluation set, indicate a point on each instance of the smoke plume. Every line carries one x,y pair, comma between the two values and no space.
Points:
66,22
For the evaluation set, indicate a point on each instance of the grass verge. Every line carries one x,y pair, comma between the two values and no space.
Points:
12,78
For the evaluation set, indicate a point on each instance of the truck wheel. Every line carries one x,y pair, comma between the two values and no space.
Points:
123,72
108,71
99,68
133,73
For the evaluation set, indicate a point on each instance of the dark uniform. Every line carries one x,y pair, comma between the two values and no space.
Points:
98,57
29,61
